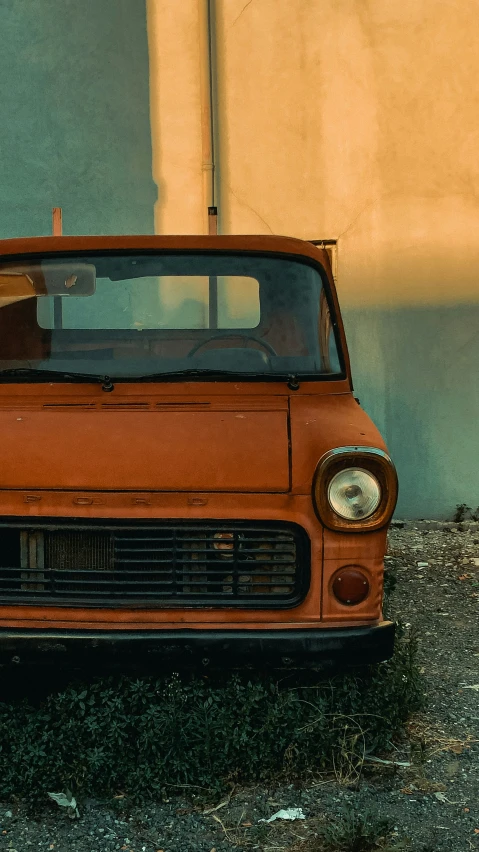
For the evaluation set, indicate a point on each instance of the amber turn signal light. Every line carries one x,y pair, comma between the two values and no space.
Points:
350,586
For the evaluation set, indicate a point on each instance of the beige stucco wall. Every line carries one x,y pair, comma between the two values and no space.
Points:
175,114
349,119
356,120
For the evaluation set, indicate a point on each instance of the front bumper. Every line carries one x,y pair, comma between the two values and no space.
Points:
291,648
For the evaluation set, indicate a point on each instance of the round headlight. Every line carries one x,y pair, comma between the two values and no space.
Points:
354,493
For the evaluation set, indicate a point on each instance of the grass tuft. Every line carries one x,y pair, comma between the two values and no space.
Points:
354,832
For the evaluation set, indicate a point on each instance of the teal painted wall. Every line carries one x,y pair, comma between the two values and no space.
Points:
75,127
415,371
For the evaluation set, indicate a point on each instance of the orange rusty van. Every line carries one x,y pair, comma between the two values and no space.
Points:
184,467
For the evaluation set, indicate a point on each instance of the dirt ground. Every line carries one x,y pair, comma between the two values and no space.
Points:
428,792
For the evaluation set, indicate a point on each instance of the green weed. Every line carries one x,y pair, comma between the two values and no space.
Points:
140,736
354,832
461,513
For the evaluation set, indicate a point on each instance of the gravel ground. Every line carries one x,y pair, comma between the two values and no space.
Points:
432,802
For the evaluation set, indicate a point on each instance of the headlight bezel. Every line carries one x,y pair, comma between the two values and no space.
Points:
372,460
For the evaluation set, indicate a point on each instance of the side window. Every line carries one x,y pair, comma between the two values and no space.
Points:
238,302
166,302
217,301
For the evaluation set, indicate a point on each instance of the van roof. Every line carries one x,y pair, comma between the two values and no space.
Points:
259,243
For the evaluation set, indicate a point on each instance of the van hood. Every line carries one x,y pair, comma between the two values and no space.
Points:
122,446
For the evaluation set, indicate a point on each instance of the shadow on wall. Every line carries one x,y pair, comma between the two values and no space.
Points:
74,88
416,371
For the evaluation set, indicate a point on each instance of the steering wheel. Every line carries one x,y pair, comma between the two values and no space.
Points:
267,346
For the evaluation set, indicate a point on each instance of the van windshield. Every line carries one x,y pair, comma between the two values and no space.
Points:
128,315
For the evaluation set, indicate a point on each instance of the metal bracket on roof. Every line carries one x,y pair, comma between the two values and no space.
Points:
330,246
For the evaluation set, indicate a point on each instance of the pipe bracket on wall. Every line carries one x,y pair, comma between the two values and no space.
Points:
212,220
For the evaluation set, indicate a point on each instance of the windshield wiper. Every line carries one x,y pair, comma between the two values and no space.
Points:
108,386
194,372
291,380
31,372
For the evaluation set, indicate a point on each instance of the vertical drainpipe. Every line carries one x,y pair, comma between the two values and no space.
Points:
206,19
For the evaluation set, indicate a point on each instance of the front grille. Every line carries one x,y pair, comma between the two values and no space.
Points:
157,565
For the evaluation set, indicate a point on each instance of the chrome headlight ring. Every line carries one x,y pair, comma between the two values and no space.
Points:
355,489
